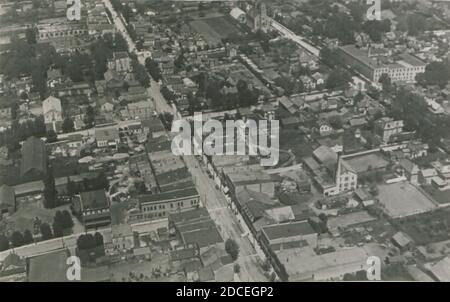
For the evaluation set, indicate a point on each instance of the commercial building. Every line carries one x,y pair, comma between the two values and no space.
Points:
157,206
93,208
372,63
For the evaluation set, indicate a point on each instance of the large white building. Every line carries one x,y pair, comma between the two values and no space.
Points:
372,63
52,110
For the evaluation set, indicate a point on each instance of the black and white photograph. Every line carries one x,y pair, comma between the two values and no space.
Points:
246,144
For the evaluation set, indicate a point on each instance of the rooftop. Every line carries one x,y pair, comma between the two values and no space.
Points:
92,200
287,230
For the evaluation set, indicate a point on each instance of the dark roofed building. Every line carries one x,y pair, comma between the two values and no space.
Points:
288,232
34,160
195,227
93,207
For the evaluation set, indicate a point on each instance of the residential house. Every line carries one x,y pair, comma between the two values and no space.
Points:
426,175
410,170
107,136
141,110
119,239
387,127
54,78
120,62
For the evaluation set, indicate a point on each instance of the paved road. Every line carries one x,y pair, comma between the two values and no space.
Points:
283,30
214,200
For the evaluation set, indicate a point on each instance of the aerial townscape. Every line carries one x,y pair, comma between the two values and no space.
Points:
88,172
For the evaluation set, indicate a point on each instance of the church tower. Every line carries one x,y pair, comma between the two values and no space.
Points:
262,21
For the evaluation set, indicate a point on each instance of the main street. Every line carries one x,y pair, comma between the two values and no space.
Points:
214,200
216,203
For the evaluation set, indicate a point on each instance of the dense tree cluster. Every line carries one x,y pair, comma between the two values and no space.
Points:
50,193
412,109
61,221
338,78
18,132
232,248
436,73
46,231
140,72
153,68
16,239
89,241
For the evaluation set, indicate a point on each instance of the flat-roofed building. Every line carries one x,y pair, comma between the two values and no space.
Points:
372,63
157,206
93,208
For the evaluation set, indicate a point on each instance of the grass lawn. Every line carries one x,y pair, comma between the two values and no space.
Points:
215,29
403,199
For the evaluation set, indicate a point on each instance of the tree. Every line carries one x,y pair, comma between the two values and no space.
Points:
51,136
17,239
336,121
90,117
153,69
27,237
50,193
329,57
167,119
386,83
72,188
58,224
4,243
232,248
141,73
338,78
436,73
98,239
30,35
68,125
120,44
46,231
67,219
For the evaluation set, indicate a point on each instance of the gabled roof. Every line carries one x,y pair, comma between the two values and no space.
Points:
51,104
34,156
287,230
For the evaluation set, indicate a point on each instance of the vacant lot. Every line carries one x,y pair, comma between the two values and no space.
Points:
403,199
214,30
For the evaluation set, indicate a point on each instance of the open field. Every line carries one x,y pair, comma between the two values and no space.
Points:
214,30
403,199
